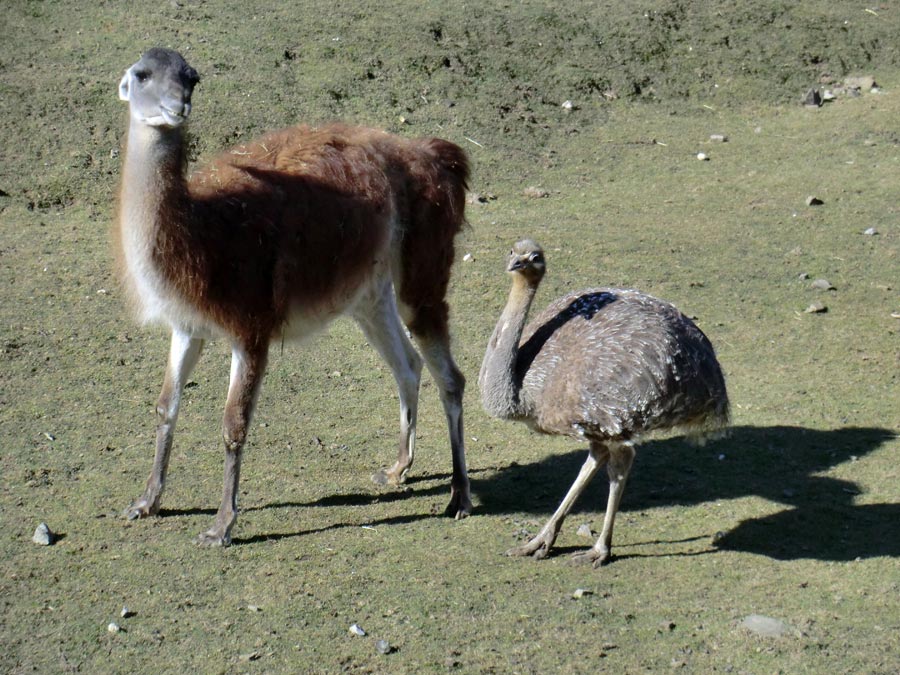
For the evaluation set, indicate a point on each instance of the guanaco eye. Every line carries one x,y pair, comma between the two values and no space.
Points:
141,76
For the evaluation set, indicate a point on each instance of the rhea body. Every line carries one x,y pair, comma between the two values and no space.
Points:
602,365
272,240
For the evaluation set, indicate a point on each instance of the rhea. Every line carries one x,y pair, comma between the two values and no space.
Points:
271,241
603,365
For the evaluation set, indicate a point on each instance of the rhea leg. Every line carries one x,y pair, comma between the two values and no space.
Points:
184,352
377,317
621,457
247,368
540,545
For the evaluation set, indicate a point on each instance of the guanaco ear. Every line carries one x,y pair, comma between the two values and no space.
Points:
124,85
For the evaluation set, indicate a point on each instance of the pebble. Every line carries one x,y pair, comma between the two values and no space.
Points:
113,627
584,530
871,232
702,157
468,257
383,647
813,99
536,192
125,613
581,592
816,308
765,625
863,83
718,138
822,285
812,200
42,535
356,629
567,105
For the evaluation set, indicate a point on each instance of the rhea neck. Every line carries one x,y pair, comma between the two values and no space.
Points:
500,386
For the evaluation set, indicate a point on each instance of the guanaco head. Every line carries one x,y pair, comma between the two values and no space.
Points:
527,259
158,88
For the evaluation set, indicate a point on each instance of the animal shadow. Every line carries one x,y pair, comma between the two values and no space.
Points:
781,464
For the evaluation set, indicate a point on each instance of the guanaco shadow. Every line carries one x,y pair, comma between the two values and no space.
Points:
781,464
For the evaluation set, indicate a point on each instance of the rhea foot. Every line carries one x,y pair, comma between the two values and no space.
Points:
396,475
214,537
537,548
592,557
142,508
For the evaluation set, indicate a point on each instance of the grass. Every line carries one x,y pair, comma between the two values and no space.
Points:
794,516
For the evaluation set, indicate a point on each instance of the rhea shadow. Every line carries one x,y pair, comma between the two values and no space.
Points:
779,463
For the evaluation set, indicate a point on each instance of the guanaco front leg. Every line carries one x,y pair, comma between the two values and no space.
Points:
184,351
247,368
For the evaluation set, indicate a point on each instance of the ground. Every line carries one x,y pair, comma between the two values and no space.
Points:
792,517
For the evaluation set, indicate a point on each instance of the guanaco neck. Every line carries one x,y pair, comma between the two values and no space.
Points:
500,386
153,205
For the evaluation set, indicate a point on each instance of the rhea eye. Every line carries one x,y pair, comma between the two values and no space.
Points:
536,257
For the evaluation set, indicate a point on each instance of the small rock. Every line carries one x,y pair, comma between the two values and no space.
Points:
863,83
814,201
813,99
822,285
43,536
567,105
816,308
253,608
113,627
125,613
828,95
584,530
581,592
765,625
702,157
803,276
468,257
536,192
870,232
383,647
356,629
250,656
718,138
